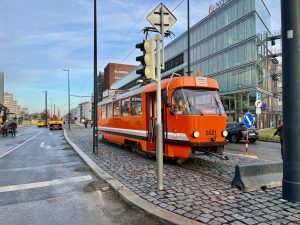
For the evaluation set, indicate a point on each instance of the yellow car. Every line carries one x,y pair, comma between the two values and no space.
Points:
41,123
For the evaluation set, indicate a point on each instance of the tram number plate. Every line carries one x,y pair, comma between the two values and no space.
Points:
210,132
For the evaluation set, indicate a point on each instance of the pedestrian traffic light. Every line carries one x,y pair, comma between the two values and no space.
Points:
147,59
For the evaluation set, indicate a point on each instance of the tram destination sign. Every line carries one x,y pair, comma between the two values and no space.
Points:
217,5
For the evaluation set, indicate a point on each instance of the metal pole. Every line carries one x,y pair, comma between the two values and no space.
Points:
95,119
162,31
69,114
46,108
290,17
54,110
188,34
51,107
159,135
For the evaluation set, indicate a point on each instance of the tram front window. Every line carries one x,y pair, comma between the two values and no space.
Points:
196,102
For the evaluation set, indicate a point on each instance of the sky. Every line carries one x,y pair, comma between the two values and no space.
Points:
38,39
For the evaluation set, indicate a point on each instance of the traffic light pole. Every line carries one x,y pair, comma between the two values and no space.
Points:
290,17
159,134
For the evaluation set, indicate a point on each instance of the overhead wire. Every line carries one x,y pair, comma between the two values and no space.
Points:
125,36
147,10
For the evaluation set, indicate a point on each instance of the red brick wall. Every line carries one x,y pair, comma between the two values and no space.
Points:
113,72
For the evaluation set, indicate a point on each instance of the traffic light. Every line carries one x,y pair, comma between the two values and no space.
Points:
147,59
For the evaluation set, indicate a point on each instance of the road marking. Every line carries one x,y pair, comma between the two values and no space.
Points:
75,163
44,183
269,149
45,146
19,145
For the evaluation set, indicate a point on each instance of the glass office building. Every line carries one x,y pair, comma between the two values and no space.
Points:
231,45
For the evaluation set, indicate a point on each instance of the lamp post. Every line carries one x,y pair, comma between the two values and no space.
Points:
46,113
69,114
95,118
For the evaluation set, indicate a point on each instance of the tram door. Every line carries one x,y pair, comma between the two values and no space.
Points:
151,121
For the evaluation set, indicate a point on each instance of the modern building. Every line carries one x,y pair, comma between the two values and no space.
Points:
1,88
114,72
8,101
85,110
15,107
232,44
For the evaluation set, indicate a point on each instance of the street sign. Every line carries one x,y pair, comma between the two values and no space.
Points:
258,111
248,120
155,18
264,106
258,103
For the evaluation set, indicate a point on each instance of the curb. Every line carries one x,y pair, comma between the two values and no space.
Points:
129,196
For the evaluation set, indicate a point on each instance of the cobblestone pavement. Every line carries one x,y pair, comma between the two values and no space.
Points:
187,192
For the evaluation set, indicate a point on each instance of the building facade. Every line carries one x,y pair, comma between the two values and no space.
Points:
1,88
8,101
232,44
114,72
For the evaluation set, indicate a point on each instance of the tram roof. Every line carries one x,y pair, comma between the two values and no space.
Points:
171,83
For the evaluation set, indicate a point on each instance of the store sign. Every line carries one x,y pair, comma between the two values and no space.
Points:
218,4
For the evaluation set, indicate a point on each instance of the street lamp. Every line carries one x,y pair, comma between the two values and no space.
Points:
69,115
46,113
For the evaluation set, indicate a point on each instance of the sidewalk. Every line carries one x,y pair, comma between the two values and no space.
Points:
191,196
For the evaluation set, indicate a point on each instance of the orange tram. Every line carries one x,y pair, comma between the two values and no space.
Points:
192,114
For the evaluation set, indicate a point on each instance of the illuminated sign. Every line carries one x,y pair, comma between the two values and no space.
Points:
217,5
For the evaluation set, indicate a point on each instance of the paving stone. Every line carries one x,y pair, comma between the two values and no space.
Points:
188,193
249,221
203,219
179,211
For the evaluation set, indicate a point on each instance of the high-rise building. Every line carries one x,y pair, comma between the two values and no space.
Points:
15,107
1,88
8,101
114,72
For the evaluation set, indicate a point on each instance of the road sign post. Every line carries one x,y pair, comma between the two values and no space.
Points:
248,121
161,19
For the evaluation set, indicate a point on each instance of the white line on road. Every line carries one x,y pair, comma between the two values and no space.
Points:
269,149
19,145
44,184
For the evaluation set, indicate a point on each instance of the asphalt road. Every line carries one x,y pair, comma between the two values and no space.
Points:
260,149
43,181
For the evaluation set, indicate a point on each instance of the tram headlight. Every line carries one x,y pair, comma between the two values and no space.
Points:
224,133
196,134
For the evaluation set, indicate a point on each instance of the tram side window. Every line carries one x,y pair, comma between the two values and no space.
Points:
136,105
109,110
103,111
125,106
117,109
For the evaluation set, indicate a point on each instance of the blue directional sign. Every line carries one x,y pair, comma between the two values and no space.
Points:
248,120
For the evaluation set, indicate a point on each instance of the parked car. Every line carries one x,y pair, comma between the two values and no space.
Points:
237,132
41,123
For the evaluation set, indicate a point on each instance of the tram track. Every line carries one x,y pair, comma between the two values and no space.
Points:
211,169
